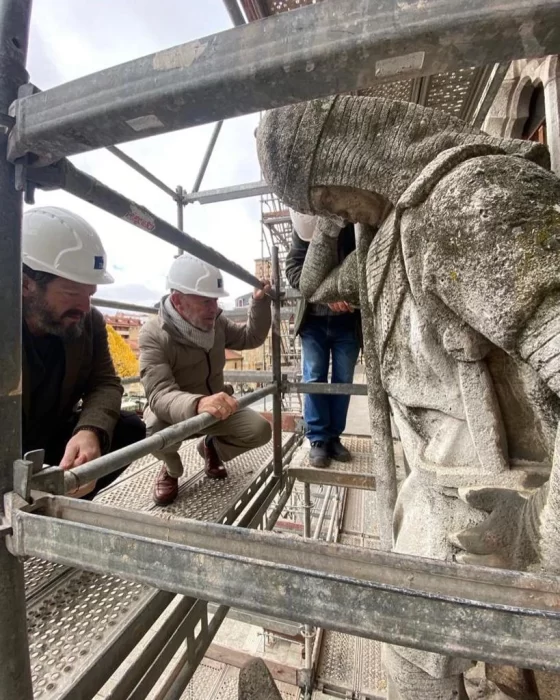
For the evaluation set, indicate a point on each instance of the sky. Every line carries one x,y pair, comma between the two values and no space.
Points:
73,38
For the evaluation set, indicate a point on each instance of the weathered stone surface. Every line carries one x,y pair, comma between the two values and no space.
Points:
256,683
373,144
460,296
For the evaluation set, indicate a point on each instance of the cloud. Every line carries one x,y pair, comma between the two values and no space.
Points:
135,293
72,38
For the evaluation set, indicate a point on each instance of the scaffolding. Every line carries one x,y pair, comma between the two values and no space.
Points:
502,617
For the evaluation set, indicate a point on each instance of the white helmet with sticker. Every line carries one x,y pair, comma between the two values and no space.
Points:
58,241
191,275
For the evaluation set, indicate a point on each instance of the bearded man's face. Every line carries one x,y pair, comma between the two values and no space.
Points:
58,307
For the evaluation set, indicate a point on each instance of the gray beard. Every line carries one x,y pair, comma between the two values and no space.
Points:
44,320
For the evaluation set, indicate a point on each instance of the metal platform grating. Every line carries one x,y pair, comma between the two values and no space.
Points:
399,90
133,489
206,679
73,614
350,665
38,574
449,92
226,688
277,6
359,541
360,517
206,499
360,448
337,662
455,92
71,620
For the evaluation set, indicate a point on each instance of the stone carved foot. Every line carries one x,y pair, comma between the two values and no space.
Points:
256,683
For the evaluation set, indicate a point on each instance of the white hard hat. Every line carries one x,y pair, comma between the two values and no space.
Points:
190,275
58,241
304,224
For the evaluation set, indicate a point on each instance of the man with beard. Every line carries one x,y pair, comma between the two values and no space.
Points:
66,360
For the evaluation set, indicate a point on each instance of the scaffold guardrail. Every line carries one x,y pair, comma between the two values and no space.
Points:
497,616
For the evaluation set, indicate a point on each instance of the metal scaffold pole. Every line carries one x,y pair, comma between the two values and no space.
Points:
179,194
15,674
207,155
276,365
308,632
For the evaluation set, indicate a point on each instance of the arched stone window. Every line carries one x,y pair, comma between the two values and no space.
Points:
528,105
534,128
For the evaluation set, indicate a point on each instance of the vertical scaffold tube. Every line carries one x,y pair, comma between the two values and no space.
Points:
276,366
15,675
307,509
308,631
180,213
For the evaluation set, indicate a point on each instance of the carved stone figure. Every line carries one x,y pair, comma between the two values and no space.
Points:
457,273
256,682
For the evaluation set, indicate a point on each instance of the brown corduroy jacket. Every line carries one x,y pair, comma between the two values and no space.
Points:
176,374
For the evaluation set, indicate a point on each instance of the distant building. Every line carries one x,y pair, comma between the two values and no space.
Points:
128,327
263,268
261,358
243,301
234,360
527,105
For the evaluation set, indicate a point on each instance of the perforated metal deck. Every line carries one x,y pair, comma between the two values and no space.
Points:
349,666
73,615
218,681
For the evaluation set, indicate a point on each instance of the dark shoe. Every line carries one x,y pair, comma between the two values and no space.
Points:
319,455
213,465
166,488
338,451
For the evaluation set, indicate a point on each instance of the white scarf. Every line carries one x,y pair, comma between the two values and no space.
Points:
202,339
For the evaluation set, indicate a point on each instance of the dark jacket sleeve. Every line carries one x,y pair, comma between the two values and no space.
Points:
103,392
295,260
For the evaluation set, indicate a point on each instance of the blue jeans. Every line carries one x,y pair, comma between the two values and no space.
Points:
323,338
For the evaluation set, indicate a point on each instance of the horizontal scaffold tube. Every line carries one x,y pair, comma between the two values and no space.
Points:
323,49
66,176
327,388
503,617
97,468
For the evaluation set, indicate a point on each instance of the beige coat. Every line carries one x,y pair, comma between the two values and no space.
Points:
177,374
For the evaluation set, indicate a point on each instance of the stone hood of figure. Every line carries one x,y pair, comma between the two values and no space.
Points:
368,143
460,297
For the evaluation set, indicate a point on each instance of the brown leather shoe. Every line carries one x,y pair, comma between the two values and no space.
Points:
166,488
213,465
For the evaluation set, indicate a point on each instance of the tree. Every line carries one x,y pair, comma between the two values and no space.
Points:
126,364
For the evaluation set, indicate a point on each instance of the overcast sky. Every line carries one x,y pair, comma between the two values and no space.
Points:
72,38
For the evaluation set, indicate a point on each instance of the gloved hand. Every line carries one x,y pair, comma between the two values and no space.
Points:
509,537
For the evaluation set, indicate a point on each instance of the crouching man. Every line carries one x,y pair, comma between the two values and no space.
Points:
182,358
71,392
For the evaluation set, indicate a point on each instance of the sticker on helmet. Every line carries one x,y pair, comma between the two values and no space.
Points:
220,283
99,262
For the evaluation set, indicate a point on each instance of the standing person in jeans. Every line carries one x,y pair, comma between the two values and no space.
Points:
328,332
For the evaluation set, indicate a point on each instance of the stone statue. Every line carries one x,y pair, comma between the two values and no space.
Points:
457,274
256,682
